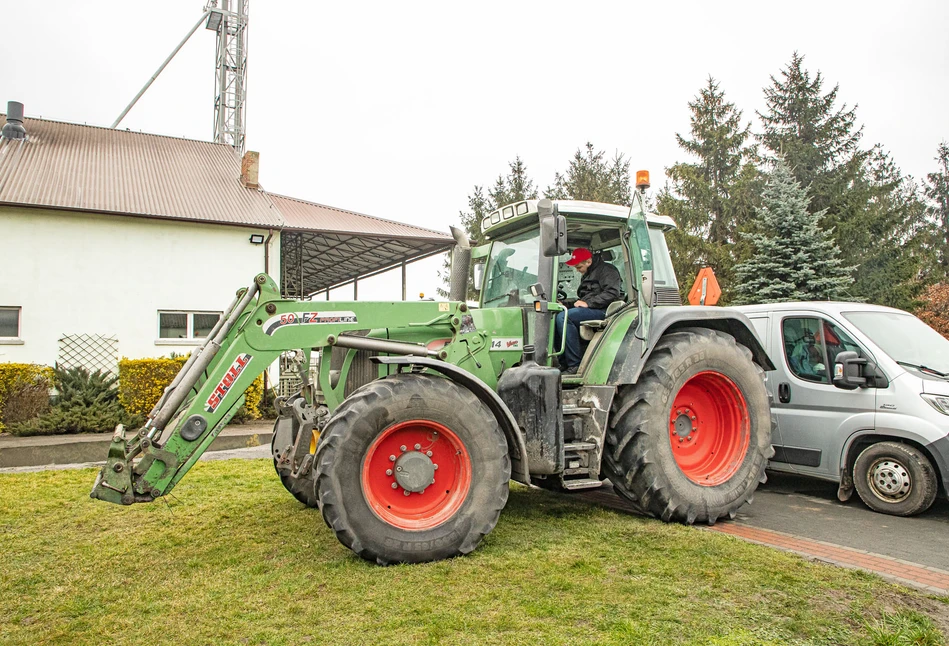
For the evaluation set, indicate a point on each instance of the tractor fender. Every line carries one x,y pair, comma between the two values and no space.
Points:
515,438
630,359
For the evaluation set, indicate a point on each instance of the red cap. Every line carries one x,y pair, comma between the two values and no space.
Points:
579,255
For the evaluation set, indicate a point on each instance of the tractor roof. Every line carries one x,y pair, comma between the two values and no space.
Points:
527,209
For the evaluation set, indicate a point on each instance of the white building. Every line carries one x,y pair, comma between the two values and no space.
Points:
131,244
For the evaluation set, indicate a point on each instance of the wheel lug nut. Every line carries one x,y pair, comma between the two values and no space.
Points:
395,485
402,448
391,458
418,446
435,466
407,492
388,472
428,453
693,417
688,438
680,439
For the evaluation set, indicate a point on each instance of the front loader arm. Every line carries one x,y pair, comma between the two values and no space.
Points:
202,399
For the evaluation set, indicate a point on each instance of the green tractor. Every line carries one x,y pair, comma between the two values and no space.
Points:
414,416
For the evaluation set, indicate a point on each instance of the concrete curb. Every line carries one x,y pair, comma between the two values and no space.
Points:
73,449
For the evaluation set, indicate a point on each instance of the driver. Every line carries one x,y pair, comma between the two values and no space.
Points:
599,286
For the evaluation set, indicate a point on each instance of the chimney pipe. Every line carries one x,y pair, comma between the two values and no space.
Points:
250,167
13,128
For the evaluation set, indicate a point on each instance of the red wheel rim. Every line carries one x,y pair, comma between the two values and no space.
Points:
709,428
406,455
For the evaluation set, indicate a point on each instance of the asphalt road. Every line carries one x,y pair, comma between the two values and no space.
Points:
809,508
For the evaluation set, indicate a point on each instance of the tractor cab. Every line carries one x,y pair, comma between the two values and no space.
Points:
514,262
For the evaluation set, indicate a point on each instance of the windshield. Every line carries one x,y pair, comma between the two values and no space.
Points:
904,338
511,270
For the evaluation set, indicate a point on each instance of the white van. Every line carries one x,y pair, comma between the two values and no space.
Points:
861,397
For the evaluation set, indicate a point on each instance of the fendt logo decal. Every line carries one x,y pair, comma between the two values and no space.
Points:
217,397
306,318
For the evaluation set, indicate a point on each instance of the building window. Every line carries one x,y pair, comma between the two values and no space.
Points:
9,322
186,325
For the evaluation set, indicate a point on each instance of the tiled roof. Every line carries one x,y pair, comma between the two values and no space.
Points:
88,168
91,168
303,215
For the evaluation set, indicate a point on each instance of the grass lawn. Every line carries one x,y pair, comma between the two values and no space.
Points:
234,559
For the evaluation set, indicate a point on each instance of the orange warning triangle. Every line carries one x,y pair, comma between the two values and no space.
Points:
705,290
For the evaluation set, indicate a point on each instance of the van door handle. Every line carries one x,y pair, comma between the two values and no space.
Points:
784,393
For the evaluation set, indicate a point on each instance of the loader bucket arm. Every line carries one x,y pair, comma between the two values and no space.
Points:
145,464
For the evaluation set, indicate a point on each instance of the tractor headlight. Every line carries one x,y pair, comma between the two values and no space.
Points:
939,402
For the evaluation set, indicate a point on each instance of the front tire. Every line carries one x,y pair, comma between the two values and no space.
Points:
412,468
896,479
690,441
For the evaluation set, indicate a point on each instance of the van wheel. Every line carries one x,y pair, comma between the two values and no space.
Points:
893,478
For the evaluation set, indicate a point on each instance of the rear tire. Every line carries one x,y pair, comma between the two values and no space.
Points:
412,468
690,441
896,479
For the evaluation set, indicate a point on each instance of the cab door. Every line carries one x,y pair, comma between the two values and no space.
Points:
761,321
814,417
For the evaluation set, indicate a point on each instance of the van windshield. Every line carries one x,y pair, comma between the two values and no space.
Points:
904,338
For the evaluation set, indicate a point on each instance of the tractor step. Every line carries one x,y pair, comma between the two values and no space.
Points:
584,483
571,409
576,447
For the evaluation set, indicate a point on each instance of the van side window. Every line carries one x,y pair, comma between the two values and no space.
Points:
838,341
804,349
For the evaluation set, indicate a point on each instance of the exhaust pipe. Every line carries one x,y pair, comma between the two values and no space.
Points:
460,266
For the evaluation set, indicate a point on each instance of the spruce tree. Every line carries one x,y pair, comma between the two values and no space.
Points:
590,176
818,140
793,259
860,194
937,192
885,233
712,198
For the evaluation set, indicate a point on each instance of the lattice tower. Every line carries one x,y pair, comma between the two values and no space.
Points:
230,77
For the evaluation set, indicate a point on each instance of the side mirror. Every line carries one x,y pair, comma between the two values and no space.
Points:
478,276
848,371
553,230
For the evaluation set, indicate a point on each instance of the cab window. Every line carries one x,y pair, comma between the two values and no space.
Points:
837,341
804,349
511,270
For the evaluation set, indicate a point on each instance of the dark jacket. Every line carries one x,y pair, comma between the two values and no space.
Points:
600,286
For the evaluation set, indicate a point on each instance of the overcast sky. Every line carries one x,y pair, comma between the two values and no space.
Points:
396,109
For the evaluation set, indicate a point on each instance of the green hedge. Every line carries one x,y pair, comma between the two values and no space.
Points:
16,379
142,381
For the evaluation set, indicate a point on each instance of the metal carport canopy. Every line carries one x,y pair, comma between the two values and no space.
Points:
323,247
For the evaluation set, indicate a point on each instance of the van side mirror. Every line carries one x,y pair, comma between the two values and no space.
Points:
478,276
553,230
849,371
